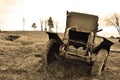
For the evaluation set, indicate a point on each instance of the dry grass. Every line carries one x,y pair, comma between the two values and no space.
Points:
18,60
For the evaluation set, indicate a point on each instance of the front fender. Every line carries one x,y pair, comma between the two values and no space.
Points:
55,36
105,44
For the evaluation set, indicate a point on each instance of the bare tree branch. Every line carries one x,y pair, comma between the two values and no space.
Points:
41,23
113,20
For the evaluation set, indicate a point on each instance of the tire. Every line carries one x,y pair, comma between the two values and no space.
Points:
99,63
48,55
50,51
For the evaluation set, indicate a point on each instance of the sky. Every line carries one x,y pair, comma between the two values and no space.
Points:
13,11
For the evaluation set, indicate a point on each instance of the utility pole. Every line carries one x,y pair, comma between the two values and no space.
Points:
23,23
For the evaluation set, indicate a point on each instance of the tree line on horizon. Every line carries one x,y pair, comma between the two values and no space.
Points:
49,24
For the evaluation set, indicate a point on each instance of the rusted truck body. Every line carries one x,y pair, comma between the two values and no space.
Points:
78,42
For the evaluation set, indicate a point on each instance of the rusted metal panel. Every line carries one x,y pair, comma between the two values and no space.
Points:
81,21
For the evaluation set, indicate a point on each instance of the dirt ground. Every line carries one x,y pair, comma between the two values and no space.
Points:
20,60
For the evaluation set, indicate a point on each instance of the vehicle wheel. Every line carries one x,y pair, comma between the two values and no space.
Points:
99,63
48,55
50,51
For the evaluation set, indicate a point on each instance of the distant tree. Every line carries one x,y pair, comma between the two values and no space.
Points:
46,23
50,23
113,20
41,23
56,24
112,36
34,26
